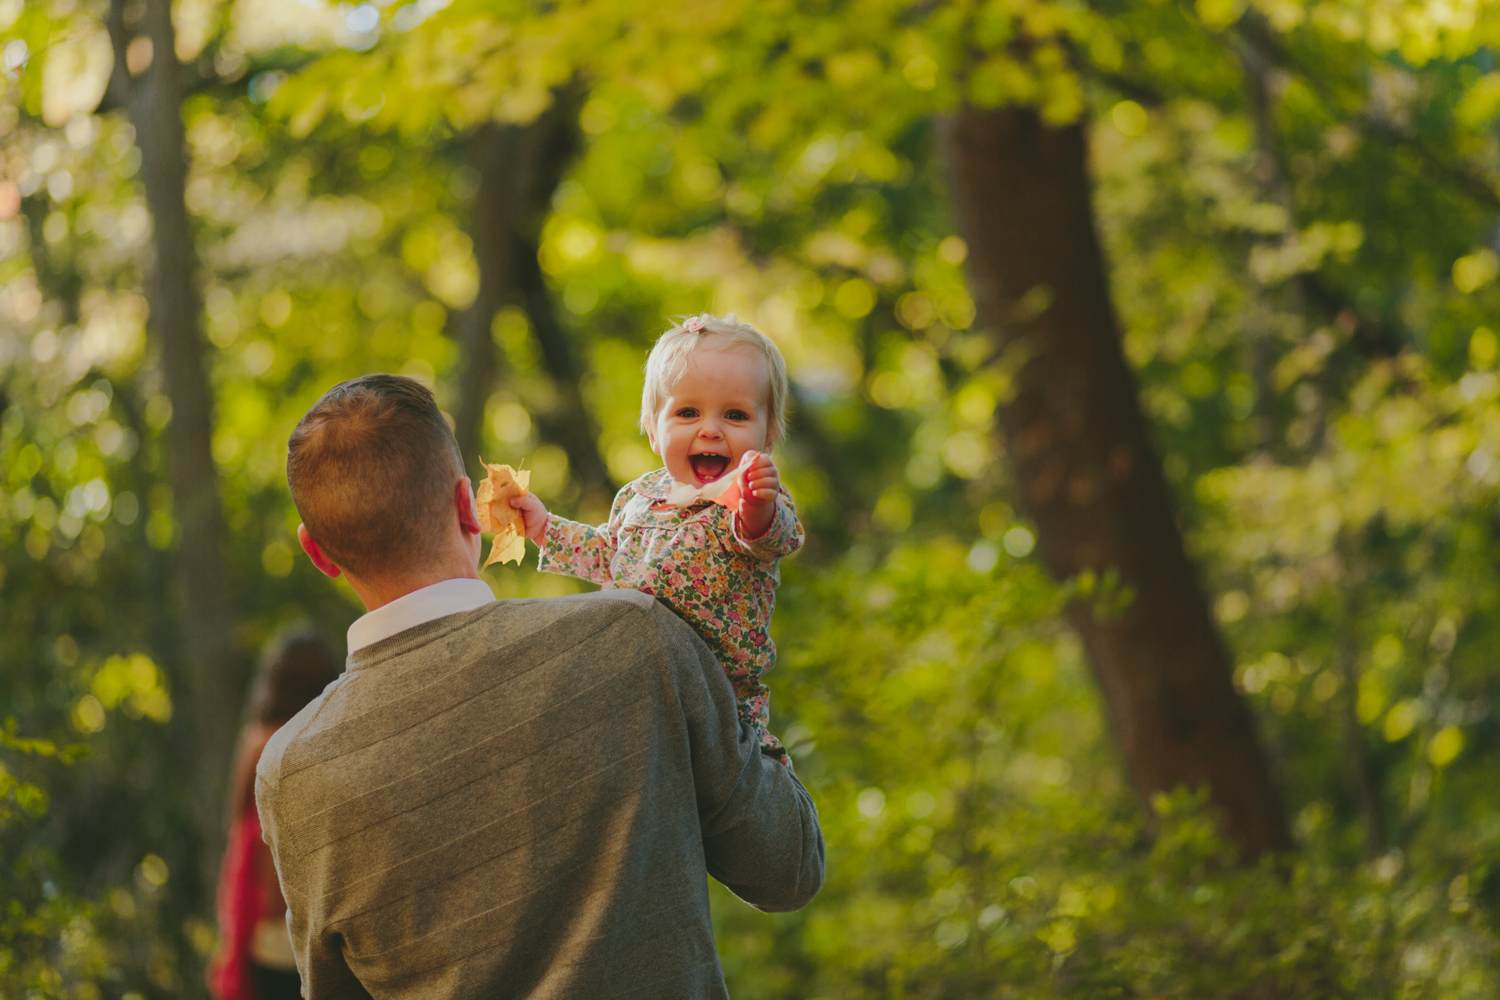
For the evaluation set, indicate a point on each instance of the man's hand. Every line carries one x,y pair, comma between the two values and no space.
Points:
759,486
534,516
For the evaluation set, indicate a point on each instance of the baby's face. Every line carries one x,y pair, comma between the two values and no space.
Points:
715,411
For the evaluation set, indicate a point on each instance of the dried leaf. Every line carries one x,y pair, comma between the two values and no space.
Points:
497,515
725,490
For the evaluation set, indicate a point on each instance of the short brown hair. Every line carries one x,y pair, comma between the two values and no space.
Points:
371,467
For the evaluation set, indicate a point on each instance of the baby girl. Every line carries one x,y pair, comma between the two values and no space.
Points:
713,405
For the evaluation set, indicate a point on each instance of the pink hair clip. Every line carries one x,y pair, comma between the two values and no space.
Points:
693,324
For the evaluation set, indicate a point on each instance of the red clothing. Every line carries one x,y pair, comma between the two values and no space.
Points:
248,890
241,904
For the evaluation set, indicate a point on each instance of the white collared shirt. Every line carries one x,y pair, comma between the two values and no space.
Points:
437,600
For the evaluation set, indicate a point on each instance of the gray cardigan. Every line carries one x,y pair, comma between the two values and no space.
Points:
523,801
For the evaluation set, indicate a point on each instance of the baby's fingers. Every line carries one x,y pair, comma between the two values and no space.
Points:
764,488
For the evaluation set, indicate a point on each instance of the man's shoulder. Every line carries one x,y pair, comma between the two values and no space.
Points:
622,606
572,603
629,620
268,770
507,622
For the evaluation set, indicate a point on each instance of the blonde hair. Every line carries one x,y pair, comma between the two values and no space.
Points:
669,355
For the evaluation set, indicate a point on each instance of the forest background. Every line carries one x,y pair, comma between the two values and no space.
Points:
1144,640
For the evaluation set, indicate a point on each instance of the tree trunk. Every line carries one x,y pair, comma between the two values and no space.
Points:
567,422
210,710
478,364
1087,470
519,168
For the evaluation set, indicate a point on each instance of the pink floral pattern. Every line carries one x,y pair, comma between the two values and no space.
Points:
694,560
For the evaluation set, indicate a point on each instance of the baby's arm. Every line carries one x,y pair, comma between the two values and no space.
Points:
766,523
567,547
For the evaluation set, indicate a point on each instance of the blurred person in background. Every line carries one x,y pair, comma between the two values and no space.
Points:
255,960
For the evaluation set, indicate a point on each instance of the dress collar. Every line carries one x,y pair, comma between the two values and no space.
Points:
654,485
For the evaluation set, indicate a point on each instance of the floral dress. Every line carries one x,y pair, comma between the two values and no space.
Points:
695,561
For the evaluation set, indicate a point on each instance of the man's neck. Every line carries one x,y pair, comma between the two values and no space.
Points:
377,593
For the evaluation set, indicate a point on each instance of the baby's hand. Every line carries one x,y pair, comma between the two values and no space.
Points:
759,485
533,516
759,481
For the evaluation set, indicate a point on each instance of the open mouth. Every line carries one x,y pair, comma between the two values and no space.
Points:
707,468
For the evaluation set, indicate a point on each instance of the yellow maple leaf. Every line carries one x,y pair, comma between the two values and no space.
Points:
496,514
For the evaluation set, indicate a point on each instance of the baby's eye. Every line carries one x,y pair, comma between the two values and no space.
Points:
737,415
687,411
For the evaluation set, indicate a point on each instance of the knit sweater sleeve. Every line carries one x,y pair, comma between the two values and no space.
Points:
761,836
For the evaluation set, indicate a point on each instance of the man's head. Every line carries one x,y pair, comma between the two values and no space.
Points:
372,468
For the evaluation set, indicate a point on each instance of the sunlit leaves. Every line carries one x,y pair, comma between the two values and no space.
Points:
1475,270
778,160
782,66
75,71
134,684
1011,852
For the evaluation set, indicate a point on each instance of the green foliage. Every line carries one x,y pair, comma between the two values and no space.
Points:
981,841
1298,202
18,797
50,945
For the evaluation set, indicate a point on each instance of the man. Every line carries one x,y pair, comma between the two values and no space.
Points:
503,798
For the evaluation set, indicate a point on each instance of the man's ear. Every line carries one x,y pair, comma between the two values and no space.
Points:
468,513
316,554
